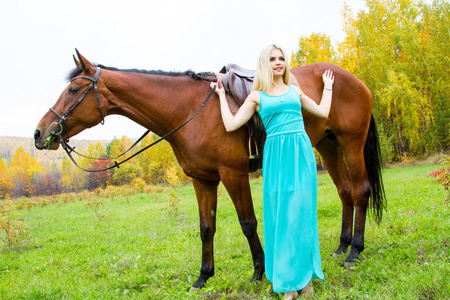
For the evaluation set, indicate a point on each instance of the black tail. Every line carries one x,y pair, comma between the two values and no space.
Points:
372,159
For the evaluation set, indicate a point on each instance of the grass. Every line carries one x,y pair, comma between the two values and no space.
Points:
146,247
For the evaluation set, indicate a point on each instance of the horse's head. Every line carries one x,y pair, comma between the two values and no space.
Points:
78,107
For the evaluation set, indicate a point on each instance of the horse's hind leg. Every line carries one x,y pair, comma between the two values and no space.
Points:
334,162
238,187
361,190
206,192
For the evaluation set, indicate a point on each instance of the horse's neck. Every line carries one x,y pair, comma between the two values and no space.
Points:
155,102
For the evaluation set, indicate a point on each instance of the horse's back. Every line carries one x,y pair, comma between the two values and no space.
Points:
351,108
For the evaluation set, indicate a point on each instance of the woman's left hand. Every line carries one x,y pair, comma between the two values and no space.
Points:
328,79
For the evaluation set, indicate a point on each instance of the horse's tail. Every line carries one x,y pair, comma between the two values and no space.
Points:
372,159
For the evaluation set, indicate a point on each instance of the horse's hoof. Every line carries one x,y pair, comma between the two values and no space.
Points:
335,254
349,265
257,279
194,289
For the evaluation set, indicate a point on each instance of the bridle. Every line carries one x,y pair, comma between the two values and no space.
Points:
68,149
62,119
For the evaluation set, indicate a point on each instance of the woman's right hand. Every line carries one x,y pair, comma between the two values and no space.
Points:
219,87
328,79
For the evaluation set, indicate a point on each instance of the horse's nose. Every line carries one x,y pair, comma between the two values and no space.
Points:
37,134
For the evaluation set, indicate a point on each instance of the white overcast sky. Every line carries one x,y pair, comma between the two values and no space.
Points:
37,41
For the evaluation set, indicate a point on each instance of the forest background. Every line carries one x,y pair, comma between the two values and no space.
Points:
399,48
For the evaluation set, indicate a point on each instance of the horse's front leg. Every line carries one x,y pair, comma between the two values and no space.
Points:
206,192
238,187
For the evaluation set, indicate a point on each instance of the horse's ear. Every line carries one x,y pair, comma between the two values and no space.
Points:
77,63
83,63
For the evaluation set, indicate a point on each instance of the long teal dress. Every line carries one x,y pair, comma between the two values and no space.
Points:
291,241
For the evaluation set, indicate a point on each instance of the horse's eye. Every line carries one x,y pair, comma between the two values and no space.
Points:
73,90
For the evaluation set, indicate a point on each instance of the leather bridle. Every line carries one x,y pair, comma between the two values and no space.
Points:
62,119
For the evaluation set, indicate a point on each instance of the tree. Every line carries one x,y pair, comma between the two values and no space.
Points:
403,44
22,169
100,179
117,147
347,51
126,173
48,183
145,158
159,164
6,185
407,111
315,48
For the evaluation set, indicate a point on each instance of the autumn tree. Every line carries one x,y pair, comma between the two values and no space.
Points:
315,48
403,60
146,157
48,183
6,185
159,163
126,173
347,51
100,179
401,49
116,147
23,168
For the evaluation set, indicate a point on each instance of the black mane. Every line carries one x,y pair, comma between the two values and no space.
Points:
75,72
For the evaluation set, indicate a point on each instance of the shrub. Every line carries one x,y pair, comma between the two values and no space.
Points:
14,230
126,173
443,175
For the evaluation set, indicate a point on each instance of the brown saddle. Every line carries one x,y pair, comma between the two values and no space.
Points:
238,82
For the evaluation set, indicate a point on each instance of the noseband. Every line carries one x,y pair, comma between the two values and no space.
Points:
62,119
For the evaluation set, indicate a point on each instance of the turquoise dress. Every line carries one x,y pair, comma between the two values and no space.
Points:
291,241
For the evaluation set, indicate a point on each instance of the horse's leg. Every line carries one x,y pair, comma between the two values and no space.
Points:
361,189
238,187
206,192
334,162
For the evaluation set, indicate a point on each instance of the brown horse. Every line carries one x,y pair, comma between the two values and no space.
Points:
160,101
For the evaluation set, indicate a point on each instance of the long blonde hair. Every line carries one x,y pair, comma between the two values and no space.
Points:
264,75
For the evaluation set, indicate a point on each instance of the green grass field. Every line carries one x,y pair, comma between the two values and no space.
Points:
147,246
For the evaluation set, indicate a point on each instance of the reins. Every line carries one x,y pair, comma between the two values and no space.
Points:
68,149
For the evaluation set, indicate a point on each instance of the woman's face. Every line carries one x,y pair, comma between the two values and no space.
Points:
277,62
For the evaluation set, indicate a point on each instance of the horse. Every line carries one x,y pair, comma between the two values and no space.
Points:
160,101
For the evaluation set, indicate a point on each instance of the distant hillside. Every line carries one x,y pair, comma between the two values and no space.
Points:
9,145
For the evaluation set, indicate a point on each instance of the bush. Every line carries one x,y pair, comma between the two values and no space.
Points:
14,230
443,175
126,173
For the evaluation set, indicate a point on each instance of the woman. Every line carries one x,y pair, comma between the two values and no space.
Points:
292,255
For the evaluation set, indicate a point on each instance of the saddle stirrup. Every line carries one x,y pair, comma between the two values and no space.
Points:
255,145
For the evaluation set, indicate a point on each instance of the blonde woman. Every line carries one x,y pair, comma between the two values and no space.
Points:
292,255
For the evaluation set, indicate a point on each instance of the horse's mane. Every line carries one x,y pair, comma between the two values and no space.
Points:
77,71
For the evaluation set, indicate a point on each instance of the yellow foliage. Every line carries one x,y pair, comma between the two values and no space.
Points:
315,48
171,176
406,108
348,50
138,184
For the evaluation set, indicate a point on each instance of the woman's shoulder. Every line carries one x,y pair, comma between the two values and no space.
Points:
254,96
297,89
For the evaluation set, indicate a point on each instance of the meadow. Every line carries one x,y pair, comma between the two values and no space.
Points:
147,246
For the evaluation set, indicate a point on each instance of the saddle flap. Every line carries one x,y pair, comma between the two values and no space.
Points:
238,82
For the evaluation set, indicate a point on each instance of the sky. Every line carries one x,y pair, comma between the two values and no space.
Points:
38,38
